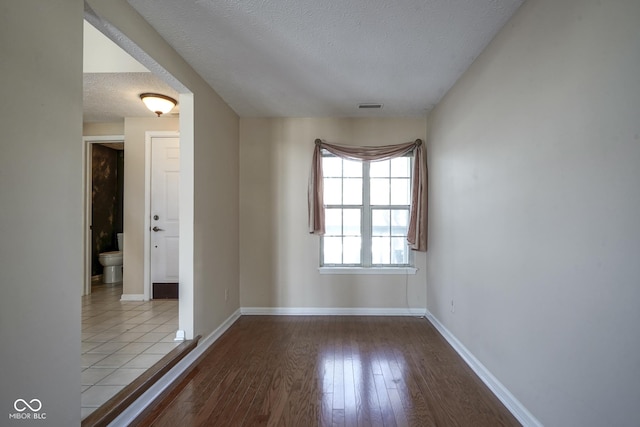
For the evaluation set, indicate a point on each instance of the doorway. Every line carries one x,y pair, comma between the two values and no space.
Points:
116,349
186,191
104,185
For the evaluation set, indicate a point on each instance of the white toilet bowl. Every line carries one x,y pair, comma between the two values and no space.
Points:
112,263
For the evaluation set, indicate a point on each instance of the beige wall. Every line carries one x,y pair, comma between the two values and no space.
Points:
103,129
278,258
41,213
217,165
213,153
534,208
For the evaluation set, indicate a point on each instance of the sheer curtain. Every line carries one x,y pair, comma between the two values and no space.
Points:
417,233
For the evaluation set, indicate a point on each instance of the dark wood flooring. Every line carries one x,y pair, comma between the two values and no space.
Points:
330,371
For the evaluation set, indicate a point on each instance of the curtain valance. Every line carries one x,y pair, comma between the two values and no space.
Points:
417,232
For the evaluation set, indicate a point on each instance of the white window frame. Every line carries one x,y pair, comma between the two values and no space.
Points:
366,266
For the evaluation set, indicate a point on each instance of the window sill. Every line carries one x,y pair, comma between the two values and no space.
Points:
372,270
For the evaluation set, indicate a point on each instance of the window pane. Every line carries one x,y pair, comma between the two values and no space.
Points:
351,220
332,191
380,250
352,191
379,191
332,250
331,166
380,222
399,222
379,169
352,250
400,167
399,250
352,168
389,185
333,221
400,191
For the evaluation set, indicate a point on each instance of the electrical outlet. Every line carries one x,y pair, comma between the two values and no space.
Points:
226,294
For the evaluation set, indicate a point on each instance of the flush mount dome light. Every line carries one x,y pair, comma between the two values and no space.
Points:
159,104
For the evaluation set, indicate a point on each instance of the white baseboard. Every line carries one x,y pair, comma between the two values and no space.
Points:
132,297
127,416
500,391
331,311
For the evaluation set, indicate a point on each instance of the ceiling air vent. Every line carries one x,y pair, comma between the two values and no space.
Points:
369,106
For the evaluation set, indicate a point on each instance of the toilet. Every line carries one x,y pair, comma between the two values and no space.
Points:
112,263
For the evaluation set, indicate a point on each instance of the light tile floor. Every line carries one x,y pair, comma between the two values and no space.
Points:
121,340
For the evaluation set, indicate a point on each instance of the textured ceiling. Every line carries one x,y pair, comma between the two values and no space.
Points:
109,97
324,57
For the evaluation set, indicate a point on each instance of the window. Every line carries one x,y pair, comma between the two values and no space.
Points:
366,212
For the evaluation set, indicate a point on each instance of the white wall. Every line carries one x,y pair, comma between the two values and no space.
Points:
41,210
212,147
535,208
101,55
278,258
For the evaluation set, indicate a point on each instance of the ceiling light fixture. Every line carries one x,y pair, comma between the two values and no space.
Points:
159,104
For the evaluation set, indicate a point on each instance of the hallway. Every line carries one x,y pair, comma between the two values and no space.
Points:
121,340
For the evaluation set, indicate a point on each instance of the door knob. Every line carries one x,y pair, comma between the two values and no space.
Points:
156,229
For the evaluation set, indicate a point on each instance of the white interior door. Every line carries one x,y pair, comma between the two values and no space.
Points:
165,184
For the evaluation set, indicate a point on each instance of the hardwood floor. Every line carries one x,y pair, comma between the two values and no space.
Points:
330,371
